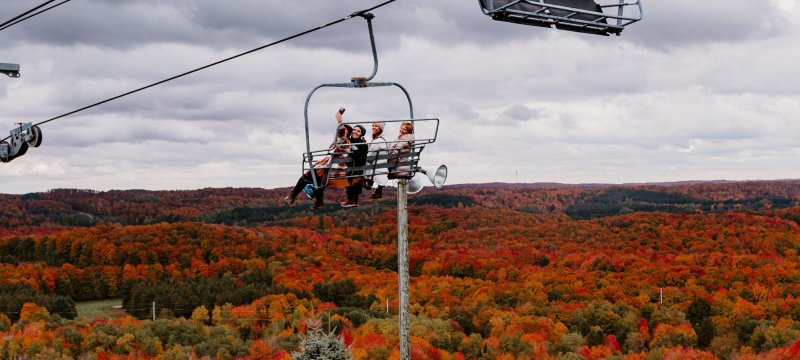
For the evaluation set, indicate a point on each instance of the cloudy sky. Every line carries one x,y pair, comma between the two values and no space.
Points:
698,90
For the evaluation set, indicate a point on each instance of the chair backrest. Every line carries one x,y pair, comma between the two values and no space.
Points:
588,5
515,11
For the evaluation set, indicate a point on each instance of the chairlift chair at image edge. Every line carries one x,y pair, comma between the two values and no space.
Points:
20,139
12,70
585,16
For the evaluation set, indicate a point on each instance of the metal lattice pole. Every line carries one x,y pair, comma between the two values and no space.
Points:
402,266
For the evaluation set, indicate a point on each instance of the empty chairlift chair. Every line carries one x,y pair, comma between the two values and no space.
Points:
587,16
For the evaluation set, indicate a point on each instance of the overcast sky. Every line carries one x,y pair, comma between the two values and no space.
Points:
698,90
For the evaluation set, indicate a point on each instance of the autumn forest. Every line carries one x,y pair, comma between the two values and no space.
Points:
696,270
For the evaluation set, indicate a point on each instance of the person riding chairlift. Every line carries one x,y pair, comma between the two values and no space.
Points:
359,155
405,140
349,143
378,146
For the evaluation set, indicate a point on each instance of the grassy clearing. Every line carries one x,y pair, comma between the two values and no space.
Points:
111,308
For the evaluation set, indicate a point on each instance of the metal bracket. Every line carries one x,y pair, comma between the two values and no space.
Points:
360,81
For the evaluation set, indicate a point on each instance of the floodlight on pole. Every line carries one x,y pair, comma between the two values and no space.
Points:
436,174
12,70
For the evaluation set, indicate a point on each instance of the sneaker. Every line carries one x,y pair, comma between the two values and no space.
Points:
378,193
309,191
288,200
348,204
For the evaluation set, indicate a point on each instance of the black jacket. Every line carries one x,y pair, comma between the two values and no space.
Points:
360,154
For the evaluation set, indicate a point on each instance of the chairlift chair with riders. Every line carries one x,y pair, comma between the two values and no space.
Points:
329,169
601,17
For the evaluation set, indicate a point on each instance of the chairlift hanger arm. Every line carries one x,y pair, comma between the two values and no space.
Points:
369,17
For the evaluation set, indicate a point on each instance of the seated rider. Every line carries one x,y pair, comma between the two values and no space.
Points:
403,144
340,149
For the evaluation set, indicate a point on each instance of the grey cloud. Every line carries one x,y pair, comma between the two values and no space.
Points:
142,143
605,108
568,121
462,112
248,23
241,23
106,24
674,23
521,112
516,115
446,22
730,132
86,132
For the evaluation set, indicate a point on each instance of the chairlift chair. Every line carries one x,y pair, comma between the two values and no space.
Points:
12,70
602,17
329,169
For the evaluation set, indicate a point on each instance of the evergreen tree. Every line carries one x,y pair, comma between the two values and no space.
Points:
318,345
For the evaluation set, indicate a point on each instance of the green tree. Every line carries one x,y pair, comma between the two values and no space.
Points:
318,345
342,293
766,338
698,315
200,314
5,322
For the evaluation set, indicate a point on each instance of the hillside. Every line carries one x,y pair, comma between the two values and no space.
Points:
73,207
688,270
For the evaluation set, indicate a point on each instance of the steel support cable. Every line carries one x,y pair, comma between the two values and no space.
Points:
306,32
25,13
18,20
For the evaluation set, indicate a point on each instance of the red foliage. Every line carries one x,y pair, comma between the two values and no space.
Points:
523,281
794,350
611,342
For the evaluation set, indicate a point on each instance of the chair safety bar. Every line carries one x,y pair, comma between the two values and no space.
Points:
331,167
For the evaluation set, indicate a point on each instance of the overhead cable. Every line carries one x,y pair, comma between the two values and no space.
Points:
25,15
